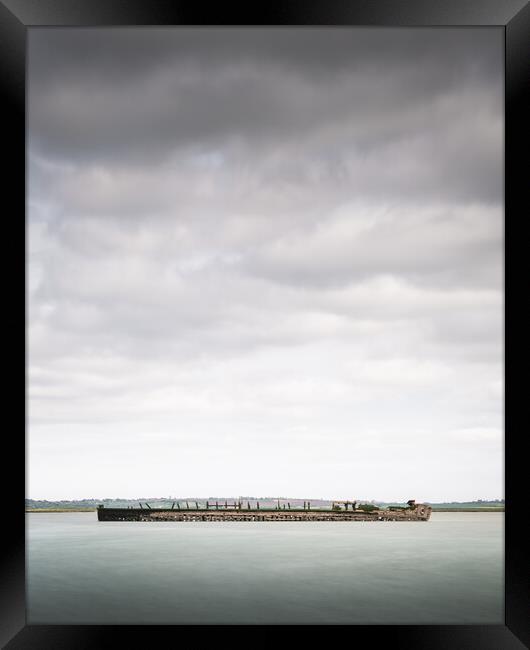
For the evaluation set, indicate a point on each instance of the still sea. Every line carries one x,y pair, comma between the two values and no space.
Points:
447,570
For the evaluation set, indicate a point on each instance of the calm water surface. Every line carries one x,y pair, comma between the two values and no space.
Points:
446,570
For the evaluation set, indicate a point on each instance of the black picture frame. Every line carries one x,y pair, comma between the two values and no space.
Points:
16,17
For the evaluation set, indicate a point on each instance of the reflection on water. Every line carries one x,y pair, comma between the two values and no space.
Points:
447,570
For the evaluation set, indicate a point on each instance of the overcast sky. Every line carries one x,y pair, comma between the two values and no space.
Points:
265,262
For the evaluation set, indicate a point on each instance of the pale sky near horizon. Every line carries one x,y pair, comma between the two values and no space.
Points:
265,262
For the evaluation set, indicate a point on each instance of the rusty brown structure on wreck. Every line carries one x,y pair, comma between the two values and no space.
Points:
237,512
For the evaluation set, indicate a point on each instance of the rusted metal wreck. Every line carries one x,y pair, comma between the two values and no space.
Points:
237,511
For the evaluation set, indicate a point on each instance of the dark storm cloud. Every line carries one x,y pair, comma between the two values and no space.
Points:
122,54
106,94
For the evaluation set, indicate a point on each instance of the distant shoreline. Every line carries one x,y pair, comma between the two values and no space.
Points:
61,510
485,509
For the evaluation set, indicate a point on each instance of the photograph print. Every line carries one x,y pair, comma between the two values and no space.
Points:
265,326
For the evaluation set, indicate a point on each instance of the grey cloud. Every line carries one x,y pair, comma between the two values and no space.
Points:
433,245
125,53
99,95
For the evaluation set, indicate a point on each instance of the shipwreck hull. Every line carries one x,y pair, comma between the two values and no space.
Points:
420,512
